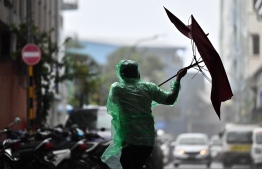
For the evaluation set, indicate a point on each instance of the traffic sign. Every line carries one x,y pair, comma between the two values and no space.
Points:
31,54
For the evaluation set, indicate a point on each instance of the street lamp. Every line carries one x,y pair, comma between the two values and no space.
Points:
139,41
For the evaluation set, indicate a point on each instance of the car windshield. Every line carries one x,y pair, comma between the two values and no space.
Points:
259,138
216,142
192,141
239,137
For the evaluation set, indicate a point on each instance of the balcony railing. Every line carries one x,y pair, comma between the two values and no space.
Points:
69,4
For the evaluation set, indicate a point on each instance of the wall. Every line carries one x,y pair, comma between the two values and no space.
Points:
12,96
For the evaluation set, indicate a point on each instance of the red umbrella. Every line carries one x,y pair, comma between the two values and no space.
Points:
221,90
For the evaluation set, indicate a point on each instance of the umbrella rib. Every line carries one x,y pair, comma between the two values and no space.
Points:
204,68
200,70
192,61
193,50
197,61
188,20
194,54
195,74
207,78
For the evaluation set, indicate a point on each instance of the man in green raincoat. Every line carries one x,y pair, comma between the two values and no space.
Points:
129,103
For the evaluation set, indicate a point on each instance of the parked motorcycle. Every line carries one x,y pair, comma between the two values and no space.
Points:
53,148
22,152
5,162
69,147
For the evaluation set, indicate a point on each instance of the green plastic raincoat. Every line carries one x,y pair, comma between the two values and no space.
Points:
129,103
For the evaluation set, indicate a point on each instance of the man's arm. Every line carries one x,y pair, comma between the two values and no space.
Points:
172,97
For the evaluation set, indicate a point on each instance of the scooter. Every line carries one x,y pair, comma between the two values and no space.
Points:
23,152
67,152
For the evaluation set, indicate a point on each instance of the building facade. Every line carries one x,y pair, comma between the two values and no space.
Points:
46,15
240,50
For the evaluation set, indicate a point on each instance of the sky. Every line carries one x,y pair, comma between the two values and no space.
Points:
142,19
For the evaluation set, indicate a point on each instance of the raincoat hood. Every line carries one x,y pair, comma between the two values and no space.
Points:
127,70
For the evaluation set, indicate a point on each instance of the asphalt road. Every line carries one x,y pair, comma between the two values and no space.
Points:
213,166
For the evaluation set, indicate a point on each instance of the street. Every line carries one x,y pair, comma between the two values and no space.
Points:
213,166
173,84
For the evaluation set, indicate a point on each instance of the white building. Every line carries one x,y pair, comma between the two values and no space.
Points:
240,51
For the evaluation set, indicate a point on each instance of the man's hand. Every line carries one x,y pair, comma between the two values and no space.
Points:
181,73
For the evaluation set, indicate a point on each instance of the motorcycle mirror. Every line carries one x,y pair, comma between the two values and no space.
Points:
17,120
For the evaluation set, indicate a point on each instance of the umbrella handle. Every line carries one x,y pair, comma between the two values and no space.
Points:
188,67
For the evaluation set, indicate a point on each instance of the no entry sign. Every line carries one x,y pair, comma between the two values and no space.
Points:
31,54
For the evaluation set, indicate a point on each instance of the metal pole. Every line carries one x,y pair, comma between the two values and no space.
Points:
57,3
29,20
30,110
139,41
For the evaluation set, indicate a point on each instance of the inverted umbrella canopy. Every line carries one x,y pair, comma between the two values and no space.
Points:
221,90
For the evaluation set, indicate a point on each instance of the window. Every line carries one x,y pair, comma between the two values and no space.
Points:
260,96
259,138
21,10
255,44
15,6
239,137
192,141
254,3
4,45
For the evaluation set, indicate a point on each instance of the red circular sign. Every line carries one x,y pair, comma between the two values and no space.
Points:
31,54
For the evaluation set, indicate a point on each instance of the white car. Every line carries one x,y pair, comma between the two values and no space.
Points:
215,146
256,149
192,148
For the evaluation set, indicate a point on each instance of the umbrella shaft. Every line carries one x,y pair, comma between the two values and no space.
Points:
188,67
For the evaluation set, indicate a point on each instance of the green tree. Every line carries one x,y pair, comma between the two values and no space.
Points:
85,83
46,74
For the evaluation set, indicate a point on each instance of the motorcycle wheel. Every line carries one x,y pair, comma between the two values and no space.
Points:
44,165
74,165
82,165
6,164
